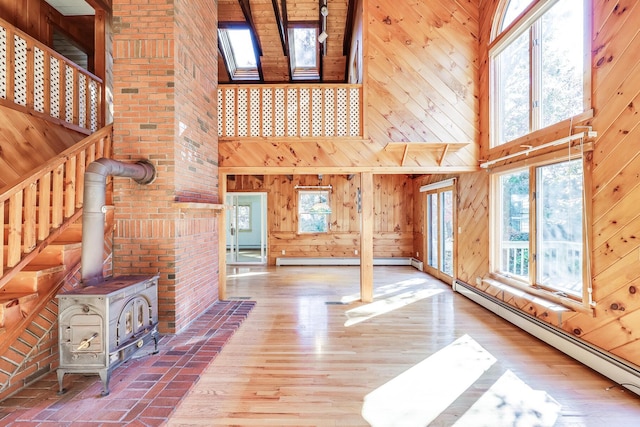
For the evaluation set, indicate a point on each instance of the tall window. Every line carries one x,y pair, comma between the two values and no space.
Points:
314,211
554,259
239,53
539,66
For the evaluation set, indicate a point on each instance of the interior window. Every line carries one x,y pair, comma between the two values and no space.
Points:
314,211
538,67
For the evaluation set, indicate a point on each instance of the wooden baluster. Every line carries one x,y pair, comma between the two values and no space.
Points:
91,153
62,91
70,187
44,205
11,65
75,78
57,197
47,83
14,242
30,197
2,238
81,159
30,77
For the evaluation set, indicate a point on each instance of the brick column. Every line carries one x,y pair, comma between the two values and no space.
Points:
165,81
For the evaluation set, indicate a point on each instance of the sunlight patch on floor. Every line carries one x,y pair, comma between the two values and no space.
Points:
511,402
417,396
382,291
377,308
247,274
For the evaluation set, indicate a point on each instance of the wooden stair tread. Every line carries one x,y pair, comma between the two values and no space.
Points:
32,269
6,297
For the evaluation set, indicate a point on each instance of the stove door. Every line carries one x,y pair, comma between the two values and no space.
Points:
134,317
82,340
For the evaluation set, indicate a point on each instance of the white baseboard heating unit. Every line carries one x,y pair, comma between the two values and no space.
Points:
618,370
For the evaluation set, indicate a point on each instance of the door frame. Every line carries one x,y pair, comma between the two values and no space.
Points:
438,189
263,225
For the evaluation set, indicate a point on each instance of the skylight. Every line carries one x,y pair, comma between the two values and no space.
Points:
303,46
239,54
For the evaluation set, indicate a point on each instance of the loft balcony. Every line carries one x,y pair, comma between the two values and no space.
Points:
289,112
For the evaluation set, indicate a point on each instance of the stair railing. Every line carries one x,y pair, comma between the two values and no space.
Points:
39,205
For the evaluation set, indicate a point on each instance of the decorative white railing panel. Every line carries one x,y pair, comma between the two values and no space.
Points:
290,111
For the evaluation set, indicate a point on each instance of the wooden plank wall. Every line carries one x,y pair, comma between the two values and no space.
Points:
421,85
393,215
616,190
27,142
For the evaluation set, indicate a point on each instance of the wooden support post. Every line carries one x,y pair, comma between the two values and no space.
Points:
366,237
222,238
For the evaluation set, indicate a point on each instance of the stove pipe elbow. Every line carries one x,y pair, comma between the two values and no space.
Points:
94,209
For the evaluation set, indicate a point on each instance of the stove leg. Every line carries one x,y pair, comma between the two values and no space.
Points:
155,342
105,376
60,373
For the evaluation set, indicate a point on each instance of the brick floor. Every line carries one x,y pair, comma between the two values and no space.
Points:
144,391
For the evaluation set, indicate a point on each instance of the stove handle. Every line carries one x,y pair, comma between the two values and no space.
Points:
86,342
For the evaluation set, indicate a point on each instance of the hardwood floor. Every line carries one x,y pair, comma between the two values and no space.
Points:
310,354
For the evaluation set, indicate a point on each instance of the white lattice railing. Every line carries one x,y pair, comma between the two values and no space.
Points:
34,76
290,111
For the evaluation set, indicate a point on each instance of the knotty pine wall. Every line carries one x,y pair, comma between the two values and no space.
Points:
422,72
616,169
393,215
420,86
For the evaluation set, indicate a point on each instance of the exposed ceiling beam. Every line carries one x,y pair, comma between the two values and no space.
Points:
246,10
348,28
282,23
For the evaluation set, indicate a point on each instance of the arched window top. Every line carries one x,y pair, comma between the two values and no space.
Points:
539,66
512,10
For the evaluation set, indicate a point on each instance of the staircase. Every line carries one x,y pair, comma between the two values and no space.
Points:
47,105
42,234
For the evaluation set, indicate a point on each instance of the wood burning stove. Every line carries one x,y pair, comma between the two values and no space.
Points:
103,325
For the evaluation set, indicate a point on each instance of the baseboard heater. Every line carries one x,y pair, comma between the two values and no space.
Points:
348,261
623,373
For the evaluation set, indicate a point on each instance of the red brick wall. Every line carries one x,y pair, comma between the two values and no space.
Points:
196,154
164,108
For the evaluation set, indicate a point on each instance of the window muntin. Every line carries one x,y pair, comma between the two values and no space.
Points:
555,256
304,52
239,53
538,68
314,211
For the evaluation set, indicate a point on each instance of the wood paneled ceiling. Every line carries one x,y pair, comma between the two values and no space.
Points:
269,20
